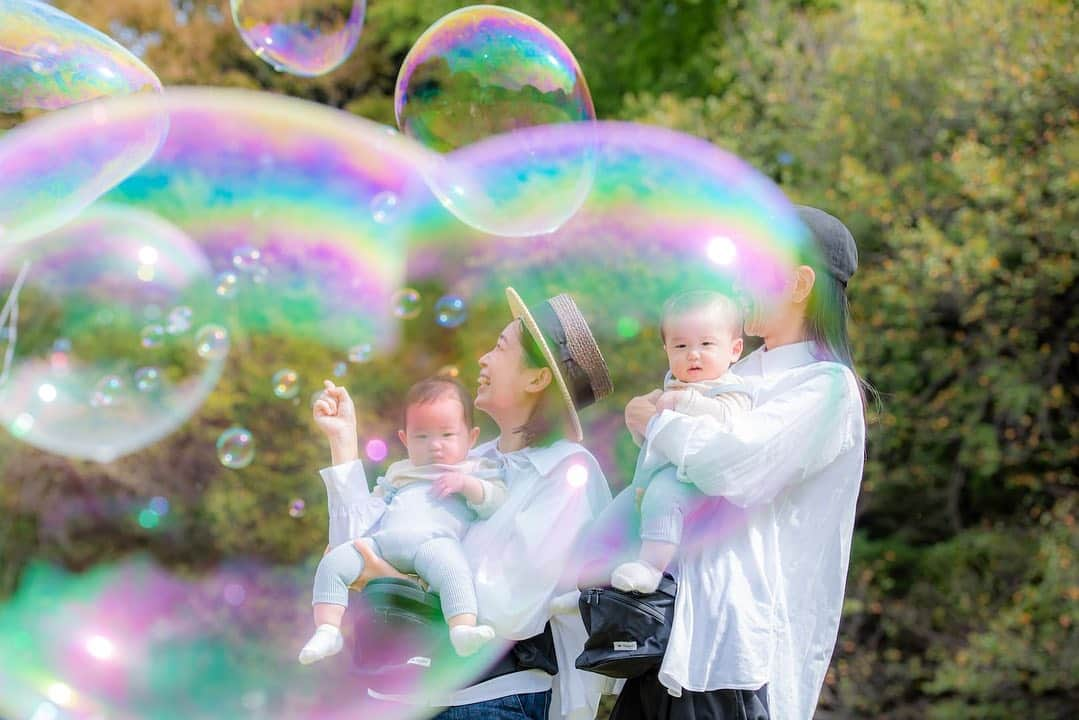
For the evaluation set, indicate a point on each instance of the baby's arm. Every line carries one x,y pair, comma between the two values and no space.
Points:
484,494
724,407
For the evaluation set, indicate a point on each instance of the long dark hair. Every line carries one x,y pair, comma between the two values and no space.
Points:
827,317
545,424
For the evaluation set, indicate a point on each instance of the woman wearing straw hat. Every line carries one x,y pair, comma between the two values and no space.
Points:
758,610
544,367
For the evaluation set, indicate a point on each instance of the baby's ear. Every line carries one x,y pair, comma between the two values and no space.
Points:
739,344
402,437
473,436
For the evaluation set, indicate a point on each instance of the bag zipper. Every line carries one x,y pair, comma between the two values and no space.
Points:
597,593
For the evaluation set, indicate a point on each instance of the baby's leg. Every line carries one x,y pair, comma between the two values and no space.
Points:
442,563
338,569
663,508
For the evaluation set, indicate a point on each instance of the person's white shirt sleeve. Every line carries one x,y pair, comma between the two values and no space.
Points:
776,444
351,507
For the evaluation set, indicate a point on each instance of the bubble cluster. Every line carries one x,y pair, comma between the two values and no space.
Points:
406,304
301,37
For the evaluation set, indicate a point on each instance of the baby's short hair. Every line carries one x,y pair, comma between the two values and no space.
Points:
725,307
435,388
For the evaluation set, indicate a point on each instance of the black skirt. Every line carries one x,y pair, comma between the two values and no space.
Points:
644,698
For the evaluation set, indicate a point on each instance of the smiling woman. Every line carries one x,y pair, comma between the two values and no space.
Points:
545,366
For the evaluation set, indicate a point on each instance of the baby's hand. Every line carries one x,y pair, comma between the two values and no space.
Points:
448,484
668,400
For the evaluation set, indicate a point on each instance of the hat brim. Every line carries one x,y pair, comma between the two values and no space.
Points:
520,311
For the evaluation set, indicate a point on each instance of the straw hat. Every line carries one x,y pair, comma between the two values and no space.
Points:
571,352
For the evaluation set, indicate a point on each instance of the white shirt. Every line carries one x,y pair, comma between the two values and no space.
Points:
521,557
763,605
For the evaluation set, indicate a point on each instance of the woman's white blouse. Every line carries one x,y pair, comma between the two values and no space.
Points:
763,604
521,557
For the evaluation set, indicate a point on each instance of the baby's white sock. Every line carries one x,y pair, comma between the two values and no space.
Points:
566,603
636,577
467,639
326,641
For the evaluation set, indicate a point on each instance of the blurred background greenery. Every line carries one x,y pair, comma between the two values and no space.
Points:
945,134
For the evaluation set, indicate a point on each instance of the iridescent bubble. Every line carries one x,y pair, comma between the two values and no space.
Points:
236,448
107,392
50,60
226,284
147,379
81,333
329,264
179,320
246,259
360,353
152,336
449,371
384,207
297,508
340,369
302,37
406,303
486,71
212,342
628,327
450,311
286,384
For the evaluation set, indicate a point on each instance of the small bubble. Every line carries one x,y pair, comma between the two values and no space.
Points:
212,342
297,508
179,320
406,303
450,311
286,384
236,448
152,336
384,207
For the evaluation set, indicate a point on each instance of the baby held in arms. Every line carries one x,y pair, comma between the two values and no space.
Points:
431,499
702,335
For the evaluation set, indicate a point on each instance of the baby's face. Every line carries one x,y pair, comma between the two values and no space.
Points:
699,346
436,432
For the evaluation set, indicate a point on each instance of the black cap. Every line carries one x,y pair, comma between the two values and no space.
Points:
834,242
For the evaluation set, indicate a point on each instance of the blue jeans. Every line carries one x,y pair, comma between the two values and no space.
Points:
526,706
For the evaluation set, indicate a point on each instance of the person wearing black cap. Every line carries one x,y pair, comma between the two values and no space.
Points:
757,612
543,369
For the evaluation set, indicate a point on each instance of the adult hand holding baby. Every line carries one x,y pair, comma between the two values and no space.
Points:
639,411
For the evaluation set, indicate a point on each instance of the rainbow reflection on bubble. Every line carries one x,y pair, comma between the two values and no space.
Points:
302,37
50,60
89,283
486,71
131,640
292,181
667,213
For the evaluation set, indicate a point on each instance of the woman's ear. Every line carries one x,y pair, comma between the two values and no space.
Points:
804,279
541,378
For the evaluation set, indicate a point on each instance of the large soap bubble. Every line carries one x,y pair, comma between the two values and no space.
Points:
129,639
483,71
49,60
77,384
58,164
302,37
667,213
